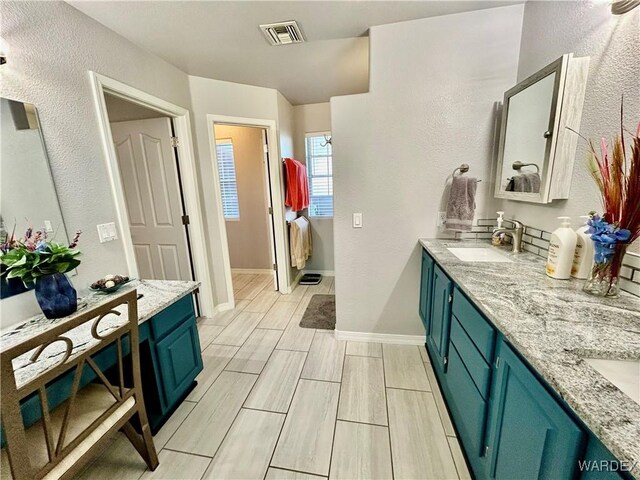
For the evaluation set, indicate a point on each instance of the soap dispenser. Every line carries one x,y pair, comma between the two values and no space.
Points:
583,257
562,247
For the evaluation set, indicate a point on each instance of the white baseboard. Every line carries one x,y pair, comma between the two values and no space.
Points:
381,338
326,273
251,271
223,307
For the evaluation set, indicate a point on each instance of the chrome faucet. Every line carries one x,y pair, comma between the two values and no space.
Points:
515,233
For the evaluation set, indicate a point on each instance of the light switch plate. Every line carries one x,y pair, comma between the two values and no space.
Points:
47,226
107,232
357,220
441,219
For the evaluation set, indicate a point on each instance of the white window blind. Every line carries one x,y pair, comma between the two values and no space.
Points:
320,173
228,185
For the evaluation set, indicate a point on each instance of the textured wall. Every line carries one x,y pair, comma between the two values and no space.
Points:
315,117
231,99
552,29
248,237
433,87
52,47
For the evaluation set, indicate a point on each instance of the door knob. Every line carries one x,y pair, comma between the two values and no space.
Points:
547,134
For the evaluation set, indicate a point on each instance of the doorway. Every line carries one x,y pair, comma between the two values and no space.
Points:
243,175
180,248
149,168
242,162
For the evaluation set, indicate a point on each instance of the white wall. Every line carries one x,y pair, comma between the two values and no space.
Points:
315,117
433,87
552,29
52,47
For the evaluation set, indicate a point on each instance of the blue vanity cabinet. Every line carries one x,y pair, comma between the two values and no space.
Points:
174,357
468,379
438,332
600,464
180,360
426,289
529,435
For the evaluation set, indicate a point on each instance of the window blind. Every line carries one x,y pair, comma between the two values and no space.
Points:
228,184
320,174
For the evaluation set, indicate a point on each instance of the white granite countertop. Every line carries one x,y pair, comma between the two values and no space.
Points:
156,296
554,325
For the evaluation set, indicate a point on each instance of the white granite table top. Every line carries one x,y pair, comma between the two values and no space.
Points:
555,325
156,296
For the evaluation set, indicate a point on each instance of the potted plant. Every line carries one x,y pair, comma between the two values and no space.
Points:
34,259
617,176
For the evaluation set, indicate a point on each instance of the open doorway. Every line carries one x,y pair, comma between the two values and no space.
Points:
147,156
160,192
243,175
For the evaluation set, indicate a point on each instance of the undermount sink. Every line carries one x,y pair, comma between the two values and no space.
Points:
482,254
624,374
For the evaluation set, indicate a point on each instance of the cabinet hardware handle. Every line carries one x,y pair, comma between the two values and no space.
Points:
486,450
450,298
497,362
445,360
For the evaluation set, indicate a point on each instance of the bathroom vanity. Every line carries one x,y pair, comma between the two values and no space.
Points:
170,354
511,349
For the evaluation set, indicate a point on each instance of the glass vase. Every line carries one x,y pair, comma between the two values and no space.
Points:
603,281
56,296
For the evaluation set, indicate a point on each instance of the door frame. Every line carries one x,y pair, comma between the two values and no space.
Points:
180,116
277,198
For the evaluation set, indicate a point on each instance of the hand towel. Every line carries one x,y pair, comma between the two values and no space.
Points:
533,182
297,195
300,242
461,207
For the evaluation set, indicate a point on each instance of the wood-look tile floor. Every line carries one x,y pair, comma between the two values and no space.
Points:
277,401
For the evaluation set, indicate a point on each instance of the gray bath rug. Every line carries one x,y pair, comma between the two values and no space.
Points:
321,313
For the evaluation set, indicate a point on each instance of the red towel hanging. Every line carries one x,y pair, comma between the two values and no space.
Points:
297,195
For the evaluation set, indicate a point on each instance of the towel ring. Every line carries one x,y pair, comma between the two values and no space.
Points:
464,168
518,165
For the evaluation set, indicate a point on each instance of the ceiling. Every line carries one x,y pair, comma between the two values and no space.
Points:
221,39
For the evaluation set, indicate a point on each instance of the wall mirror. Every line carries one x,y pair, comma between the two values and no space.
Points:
27,192
537,148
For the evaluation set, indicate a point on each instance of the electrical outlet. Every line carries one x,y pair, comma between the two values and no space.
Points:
441,219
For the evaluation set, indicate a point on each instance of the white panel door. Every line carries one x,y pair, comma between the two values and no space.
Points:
150,180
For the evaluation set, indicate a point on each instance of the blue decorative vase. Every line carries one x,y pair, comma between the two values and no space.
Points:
55,295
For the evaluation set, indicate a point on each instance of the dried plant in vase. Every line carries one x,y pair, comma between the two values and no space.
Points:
617,175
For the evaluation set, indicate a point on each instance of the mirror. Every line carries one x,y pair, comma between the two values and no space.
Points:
529,125
537,149
27,192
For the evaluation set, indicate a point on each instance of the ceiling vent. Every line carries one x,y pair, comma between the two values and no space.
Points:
283,33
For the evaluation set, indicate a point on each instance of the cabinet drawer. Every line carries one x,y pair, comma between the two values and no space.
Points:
475,364
172,316
180,360
479,330
468,408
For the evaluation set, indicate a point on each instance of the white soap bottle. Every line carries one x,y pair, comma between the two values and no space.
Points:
562,247
583,257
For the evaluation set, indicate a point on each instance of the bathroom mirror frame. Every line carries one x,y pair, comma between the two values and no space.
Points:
566,111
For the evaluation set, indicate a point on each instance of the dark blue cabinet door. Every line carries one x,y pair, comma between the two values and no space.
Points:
599,463
529,435
180,360
438,336
426,284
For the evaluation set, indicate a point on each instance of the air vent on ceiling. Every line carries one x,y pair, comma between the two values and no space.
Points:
283,33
